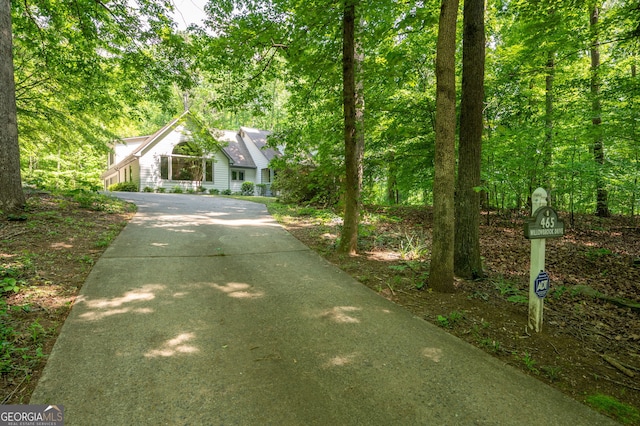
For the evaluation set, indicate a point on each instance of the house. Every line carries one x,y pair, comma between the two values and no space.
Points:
169,158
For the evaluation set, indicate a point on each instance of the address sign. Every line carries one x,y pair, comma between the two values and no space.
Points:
544,224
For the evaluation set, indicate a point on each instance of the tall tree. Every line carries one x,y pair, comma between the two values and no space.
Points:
353,133
602,195
11,196
467,260
441,271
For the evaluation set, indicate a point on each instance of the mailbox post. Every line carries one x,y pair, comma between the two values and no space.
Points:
542,224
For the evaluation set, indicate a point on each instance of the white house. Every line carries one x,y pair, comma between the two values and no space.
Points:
169,159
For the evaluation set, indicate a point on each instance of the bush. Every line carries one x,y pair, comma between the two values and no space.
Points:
124,187
248,188
214,191
299,184
202,189
226,192
262,189
147,189
161,190
177,190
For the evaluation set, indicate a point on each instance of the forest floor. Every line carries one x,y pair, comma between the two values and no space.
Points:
589,347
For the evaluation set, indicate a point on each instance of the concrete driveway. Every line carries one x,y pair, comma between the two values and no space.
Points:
204,311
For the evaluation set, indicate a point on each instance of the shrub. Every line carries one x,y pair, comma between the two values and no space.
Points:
214,191
177,190
147,189
300,184
124,187
248,188
226,192
161,190
262,189
202,189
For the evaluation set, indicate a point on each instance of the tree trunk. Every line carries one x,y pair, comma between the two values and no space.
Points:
11,195
441,271
547,151
392,183
602,202
467,260
353,103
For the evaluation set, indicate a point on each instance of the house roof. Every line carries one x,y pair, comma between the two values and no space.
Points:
147,141
235,149
259,138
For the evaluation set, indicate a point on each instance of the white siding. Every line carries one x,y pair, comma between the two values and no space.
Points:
249,176
258,158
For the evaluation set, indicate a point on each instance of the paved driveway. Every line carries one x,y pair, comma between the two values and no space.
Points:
204,311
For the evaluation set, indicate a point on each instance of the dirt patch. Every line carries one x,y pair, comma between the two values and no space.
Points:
588,346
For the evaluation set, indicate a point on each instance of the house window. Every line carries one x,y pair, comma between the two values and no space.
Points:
164,167
237,175
266,175
208,166
112,158
185,168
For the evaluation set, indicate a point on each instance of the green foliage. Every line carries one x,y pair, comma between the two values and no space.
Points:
529,362
9,284
248,188
301,184
262,189
214,191
609,405
449,321
177,190
147,189
124,186
510,290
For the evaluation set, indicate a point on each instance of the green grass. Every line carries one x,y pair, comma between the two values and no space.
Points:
624,413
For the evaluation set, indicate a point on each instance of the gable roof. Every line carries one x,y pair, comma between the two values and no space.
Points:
235,149
259,138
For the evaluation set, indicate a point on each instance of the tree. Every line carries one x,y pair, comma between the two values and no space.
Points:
467,260
441,271
353,130
602,203
12,198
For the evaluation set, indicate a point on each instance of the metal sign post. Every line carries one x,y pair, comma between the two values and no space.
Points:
543,224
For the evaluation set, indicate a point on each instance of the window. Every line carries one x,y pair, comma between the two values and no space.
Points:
164,167
208,166
237,175
186,163
266,175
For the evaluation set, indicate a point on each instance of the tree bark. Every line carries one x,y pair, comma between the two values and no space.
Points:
353,103
441,271
467,260
12,198
602,195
